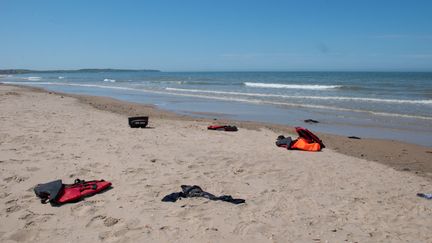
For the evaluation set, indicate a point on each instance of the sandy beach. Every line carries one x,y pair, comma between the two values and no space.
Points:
353,191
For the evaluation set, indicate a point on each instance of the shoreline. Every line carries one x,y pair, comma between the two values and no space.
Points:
401,156
341,103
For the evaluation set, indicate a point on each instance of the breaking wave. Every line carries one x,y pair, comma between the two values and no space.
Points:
292,86
33,78
255,101
339,98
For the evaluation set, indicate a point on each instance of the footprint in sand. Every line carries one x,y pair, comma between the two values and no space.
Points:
100,220
32,169
133,171
81,173
123,231
4,195
94,165
28,215
15,178
38,220
11,201
85,208
109,221
23,235
242,228
33,220
13,208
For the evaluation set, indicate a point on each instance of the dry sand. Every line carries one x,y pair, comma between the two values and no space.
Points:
291,196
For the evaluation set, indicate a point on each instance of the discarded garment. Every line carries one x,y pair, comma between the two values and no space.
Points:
196,191
284,142
223,128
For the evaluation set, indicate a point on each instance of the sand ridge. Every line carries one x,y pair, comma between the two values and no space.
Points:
291,196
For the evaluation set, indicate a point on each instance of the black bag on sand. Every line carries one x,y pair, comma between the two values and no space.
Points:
49,192
284,142
138,121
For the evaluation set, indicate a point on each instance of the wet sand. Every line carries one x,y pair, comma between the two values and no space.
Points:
354,190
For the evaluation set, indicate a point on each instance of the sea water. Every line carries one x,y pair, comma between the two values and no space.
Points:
388,105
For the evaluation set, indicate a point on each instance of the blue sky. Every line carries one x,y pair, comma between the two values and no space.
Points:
206,35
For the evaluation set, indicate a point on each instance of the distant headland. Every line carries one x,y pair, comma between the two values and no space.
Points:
86,70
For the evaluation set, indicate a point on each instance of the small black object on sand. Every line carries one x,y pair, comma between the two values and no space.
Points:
311,121
425,195
138,121
354,137
227,128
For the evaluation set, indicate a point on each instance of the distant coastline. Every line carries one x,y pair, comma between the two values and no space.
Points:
87,70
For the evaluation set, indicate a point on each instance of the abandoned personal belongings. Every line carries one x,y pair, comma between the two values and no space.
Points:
306,141
425,195
138,121
284,142
196,191
223,128
56,193
311,121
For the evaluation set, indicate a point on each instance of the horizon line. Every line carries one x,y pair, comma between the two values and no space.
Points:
219,70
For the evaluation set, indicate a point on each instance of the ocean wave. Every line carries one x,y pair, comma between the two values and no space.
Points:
292,86
61,77
109,80
255,101
185,82
211,83
338,98
319,107
33,78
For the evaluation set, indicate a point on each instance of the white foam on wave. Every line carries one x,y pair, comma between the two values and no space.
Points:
109,80
255,101
340,98
33,78
302,106
61,77
292,86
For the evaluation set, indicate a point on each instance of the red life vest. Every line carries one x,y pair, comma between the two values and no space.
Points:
80,189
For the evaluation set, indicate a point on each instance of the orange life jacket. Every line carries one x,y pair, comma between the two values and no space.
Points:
303,144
